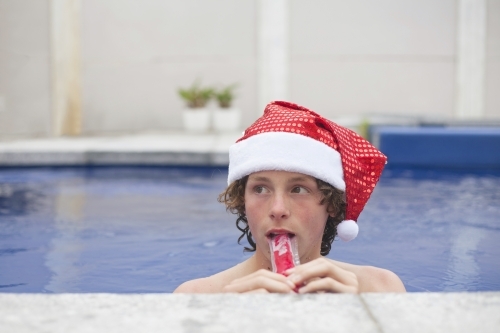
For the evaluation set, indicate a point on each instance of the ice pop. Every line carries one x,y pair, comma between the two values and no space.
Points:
284,253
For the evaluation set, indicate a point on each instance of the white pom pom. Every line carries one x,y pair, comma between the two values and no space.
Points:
347,230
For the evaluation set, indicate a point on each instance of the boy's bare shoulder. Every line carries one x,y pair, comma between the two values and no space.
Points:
374,279
203,285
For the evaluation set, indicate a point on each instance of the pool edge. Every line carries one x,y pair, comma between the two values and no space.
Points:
381,312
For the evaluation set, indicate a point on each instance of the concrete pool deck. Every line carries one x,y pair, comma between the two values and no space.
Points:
411,146
173,148
387,313
412,312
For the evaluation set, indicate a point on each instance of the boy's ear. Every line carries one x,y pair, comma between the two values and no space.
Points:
332,213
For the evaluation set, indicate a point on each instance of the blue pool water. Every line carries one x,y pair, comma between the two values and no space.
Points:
130,230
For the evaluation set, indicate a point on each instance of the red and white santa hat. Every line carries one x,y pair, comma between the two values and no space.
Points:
289,137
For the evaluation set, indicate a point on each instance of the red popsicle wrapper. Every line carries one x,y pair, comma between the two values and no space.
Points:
284,253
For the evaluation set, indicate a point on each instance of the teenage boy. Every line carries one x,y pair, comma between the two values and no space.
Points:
296,173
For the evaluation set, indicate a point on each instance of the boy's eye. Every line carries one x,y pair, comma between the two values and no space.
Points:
299,189
259,189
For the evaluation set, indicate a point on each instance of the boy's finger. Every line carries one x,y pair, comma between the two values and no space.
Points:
265,273
258,291
321,268
328,285
259,282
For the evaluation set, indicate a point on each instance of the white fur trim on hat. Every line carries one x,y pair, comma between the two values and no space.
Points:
286,152
347,230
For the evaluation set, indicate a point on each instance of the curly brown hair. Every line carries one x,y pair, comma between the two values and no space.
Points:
234,199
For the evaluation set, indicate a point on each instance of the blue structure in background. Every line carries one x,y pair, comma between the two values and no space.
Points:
446,147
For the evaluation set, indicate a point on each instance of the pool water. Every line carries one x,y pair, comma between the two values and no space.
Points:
148,229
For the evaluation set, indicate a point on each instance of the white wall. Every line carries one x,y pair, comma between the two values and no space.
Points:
24,68
136,54
345,58
492,98
385,56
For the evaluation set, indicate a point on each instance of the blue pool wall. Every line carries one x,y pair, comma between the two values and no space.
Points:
439,146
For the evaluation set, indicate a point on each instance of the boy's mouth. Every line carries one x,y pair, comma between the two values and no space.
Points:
273,234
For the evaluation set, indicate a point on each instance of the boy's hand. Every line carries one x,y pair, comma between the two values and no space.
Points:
322,275
262,281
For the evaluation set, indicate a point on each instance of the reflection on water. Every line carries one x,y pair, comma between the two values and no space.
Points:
67,246
17,199
463,272
149,229
25,227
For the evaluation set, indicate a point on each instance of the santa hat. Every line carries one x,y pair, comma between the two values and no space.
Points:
292,138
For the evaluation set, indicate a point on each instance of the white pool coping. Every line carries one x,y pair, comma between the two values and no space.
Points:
169,148
412,312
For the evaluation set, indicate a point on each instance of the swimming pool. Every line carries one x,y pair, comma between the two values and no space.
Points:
147,229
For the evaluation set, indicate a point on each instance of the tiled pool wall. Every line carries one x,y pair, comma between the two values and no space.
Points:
439,146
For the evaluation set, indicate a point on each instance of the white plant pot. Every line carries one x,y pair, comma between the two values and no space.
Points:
196,120
226,120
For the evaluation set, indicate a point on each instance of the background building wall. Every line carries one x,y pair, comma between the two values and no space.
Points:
346,58
492,90
136,54
386,56
25,103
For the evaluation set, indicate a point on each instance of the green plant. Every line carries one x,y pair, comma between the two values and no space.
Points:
364,129
225,96
196,96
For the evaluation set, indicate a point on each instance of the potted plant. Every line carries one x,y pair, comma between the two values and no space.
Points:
196,116
225,117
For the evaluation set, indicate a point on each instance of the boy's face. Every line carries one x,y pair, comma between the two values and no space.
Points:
285,202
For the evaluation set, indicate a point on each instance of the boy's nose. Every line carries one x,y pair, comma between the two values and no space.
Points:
279,207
